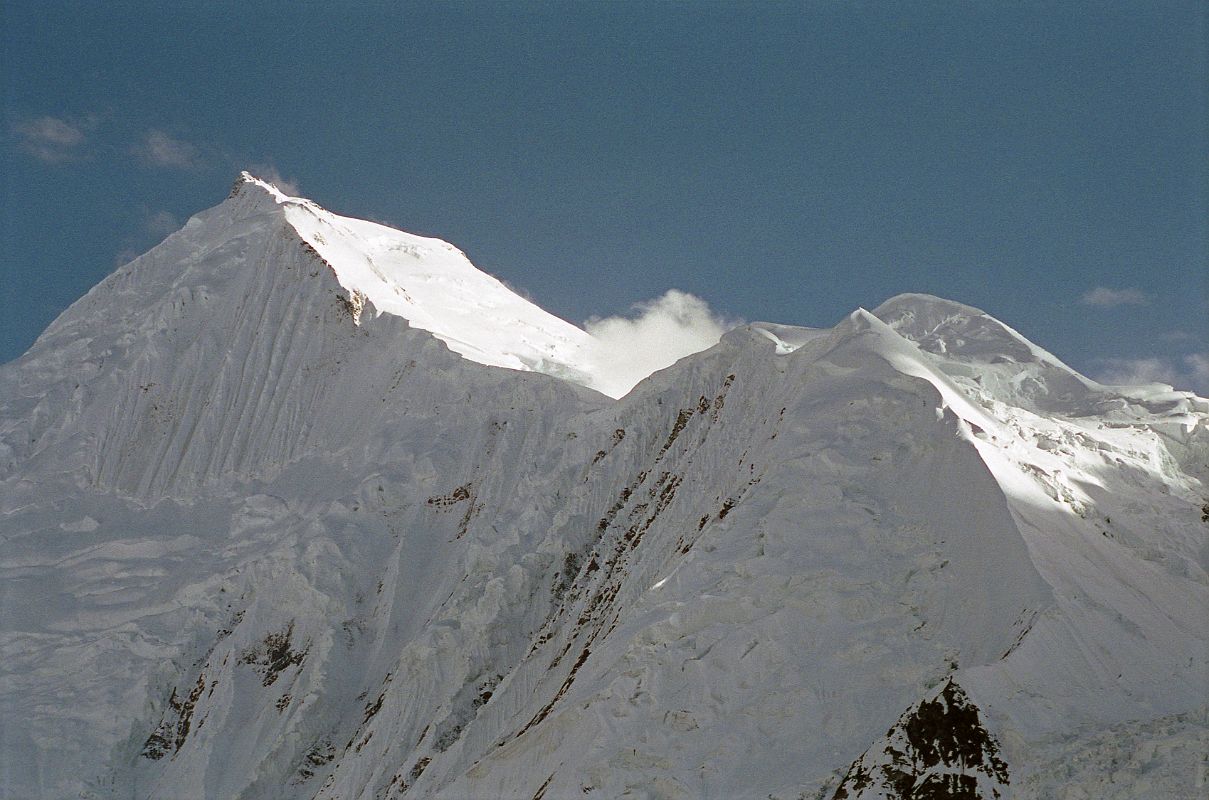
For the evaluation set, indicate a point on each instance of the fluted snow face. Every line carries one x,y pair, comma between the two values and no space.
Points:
209,356
268,532
239,346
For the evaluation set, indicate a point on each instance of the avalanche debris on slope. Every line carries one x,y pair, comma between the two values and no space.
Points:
260,539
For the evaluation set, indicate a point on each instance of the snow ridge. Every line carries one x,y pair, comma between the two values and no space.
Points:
275,523
432,285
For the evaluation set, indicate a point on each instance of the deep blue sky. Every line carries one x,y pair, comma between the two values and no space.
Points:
784,161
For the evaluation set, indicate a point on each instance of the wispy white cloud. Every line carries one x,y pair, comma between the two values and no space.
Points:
1198,372
53,140
270,173
1103,297
660,332
161,223
163,150
1190,372
125,256
156,226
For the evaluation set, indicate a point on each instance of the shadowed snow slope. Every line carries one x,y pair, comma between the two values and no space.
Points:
275,524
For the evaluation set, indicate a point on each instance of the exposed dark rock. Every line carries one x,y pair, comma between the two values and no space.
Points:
456,496
274,655
173,729
938,750
677,427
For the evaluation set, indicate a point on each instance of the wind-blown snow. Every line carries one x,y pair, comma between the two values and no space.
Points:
264,534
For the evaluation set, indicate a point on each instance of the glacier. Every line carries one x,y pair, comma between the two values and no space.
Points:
301,506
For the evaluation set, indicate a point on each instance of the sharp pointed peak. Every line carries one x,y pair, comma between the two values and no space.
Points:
247,182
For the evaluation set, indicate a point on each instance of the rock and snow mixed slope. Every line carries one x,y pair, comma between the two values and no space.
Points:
274,523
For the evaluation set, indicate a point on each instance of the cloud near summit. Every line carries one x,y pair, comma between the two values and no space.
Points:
270,174
659,333
163,150
53,140
1104,297
1189,373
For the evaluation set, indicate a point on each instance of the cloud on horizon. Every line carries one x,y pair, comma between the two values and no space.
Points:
1103,297
53,140
163,150
1190,373
657,335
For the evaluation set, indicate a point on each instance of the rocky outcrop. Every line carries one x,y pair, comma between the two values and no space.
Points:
938,750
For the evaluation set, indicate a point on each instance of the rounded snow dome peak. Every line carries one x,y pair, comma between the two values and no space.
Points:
913,310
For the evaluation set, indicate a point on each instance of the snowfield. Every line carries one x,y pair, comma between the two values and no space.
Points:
301,506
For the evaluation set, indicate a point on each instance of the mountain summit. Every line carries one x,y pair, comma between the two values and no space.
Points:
432,285
301,506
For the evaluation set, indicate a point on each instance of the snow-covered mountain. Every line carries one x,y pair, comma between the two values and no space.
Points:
300,506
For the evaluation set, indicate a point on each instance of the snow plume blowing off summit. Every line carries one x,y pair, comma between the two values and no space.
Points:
664,331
